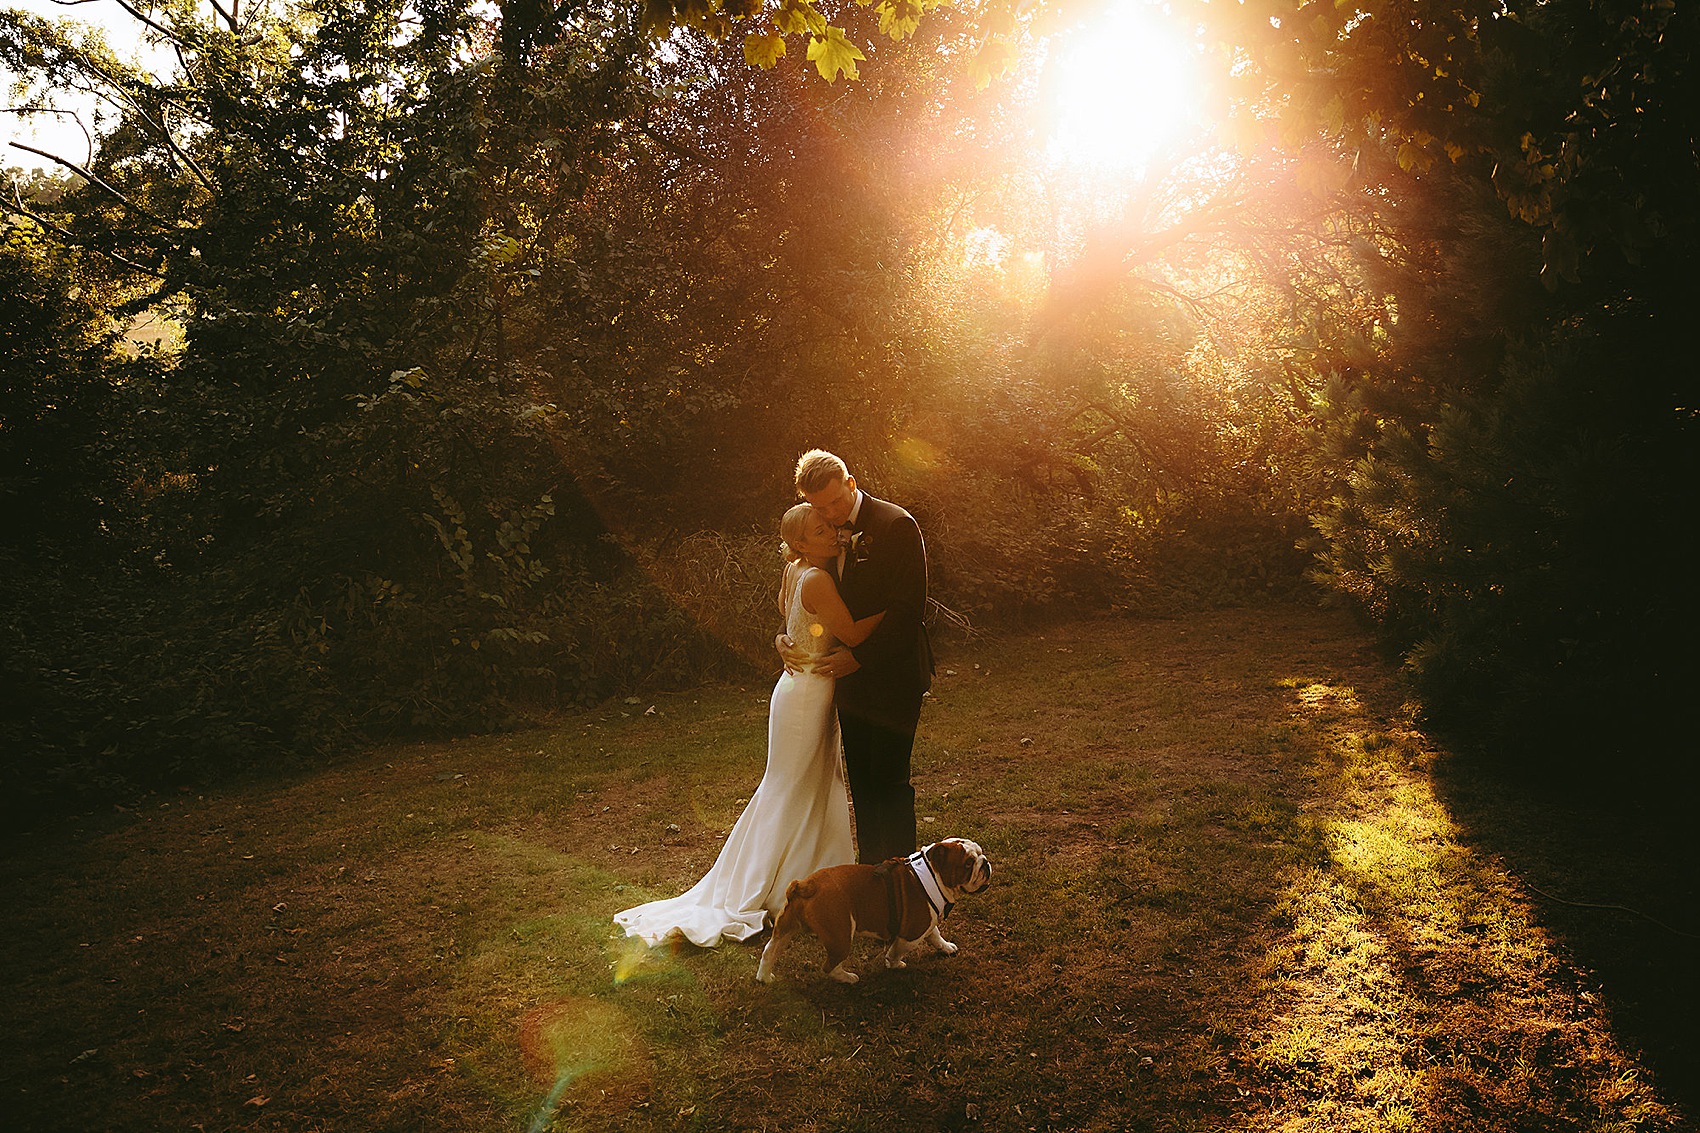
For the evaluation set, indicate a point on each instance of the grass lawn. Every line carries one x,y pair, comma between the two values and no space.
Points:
1235,887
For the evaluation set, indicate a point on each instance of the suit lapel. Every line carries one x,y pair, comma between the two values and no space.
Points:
857,526
854,583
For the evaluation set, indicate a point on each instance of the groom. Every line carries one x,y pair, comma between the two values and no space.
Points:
883,566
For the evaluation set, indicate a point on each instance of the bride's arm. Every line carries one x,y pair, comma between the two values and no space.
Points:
821,598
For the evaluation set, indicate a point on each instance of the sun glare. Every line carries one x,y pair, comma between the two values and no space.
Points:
985,247
1123,86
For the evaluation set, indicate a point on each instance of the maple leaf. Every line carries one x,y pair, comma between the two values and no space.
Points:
1001,20
994,60
763,50
799,15
833,54
1414,156
1334,114
899,18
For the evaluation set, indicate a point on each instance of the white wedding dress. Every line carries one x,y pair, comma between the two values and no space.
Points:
797,821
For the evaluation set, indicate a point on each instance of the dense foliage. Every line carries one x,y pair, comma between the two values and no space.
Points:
498,339
1516,493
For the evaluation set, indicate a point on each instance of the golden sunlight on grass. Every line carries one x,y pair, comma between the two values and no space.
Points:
1122,87
1414,977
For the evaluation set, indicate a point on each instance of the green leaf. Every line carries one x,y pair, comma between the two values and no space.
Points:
833,54
1414,157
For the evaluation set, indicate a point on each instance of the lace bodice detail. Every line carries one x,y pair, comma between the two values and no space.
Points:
805,628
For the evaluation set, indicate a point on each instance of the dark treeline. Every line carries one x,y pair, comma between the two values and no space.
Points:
498,341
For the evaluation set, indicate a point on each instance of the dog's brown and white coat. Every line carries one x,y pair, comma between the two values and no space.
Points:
904,900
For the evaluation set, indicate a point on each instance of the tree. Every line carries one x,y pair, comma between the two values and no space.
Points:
501,335
1511,460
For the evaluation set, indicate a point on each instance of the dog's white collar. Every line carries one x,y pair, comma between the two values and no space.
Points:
930,883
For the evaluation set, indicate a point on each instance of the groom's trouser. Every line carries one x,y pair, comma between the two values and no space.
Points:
876,761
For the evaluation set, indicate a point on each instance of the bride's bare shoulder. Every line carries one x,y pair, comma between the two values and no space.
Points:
814,582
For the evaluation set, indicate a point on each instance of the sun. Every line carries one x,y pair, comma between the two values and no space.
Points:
1122,88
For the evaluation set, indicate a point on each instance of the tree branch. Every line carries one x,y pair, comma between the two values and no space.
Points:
158,127
17,205
96,181
78,118
182,155
160,28
677,149
228,17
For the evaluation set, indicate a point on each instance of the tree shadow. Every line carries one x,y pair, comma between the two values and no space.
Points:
1613,876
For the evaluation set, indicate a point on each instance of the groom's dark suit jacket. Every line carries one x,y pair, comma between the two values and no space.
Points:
885,568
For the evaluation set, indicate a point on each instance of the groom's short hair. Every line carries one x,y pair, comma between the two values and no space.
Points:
817,469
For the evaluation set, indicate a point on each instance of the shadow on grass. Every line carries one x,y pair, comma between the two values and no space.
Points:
1614,878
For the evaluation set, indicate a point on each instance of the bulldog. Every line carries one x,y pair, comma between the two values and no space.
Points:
903,900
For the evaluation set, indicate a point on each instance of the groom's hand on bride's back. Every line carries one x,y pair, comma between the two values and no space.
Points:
838,663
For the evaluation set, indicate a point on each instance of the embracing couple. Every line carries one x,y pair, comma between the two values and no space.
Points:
857,663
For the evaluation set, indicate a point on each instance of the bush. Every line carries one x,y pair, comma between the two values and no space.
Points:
1521,552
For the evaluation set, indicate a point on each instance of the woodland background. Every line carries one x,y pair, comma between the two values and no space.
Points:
488,339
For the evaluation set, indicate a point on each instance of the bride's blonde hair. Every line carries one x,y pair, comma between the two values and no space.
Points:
791,530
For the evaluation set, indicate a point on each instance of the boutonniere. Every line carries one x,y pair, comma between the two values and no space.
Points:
860,545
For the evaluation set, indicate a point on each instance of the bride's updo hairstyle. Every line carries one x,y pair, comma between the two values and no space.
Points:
792,530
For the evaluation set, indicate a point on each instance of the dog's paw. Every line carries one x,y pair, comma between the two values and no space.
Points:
946,947
766,977
844,976
891,963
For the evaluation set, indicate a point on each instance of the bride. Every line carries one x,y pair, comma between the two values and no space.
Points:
798,820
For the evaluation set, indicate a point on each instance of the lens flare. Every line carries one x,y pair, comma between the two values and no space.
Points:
570,1041
919,454
631,957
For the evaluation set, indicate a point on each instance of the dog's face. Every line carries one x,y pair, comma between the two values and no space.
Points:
960,864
